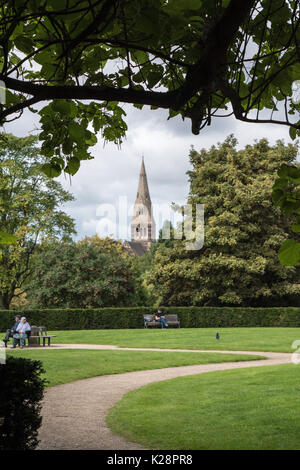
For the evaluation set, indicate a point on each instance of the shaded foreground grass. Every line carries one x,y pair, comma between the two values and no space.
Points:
244,339
64,366
255,408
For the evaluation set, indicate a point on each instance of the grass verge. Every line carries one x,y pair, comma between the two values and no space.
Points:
236,339
255,408
63,366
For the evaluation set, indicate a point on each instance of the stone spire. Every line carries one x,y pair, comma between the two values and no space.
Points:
143,195
142,223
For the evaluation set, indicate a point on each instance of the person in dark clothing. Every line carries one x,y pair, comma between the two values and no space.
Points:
159,317
10,333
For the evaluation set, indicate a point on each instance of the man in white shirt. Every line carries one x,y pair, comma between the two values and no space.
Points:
21,332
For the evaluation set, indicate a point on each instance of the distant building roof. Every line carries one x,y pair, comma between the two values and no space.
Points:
136,248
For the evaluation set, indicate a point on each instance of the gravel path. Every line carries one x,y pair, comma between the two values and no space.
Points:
74,414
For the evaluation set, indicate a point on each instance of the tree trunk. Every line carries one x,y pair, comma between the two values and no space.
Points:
4,301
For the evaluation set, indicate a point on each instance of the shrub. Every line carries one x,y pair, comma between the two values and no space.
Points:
21,392
132,317
71,275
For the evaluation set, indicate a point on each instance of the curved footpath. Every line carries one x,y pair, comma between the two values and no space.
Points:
74,413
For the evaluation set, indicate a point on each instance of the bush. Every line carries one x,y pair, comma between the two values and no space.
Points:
132,317
84,274
21,392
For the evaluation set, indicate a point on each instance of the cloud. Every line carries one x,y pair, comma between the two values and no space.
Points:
165,145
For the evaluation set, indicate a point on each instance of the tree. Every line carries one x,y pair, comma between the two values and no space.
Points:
29,211
287,196
200,59
146,295
243,230
81,275
166,235
105,245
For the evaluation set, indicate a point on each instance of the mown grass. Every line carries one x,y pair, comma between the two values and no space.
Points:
64,366
255,408
244,339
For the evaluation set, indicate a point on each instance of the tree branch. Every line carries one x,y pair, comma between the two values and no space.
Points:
102,93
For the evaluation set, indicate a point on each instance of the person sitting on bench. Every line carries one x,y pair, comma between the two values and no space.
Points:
10,333
159,317
21,333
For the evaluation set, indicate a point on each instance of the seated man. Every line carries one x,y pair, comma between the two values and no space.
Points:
12,331
159,317
22,331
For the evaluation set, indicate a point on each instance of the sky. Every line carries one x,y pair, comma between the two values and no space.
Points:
110,180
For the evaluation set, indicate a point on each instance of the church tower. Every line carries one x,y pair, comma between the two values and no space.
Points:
142,222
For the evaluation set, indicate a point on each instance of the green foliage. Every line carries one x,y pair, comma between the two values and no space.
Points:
21,393
191,57
29,209
145,294
81,275
243,232
166,230
132,317
286,195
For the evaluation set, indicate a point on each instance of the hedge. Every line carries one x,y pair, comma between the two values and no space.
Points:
132,317
21,393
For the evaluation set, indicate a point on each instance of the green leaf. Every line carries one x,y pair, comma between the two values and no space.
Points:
58,161
296,228
289,253
51,171
73,166
91,139
153,78
294,173
293,132
280,183
283,171
139,56
24,44
76,131
62,106
138,78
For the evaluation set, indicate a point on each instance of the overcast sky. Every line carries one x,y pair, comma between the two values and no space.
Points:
113,173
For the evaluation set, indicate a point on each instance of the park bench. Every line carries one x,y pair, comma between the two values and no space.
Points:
171,320
39,333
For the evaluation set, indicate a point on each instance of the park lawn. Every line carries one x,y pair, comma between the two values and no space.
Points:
65,366
257,408
236,339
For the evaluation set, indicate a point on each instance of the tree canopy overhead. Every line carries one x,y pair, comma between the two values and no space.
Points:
198,58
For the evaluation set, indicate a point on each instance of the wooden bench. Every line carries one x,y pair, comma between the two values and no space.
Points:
171,320
39,333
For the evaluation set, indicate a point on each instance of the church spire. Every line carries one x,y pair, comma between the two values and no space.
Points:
143,194
142,223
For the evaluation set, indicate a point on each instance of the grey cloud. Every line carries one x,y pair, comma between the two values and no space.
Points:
165,146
